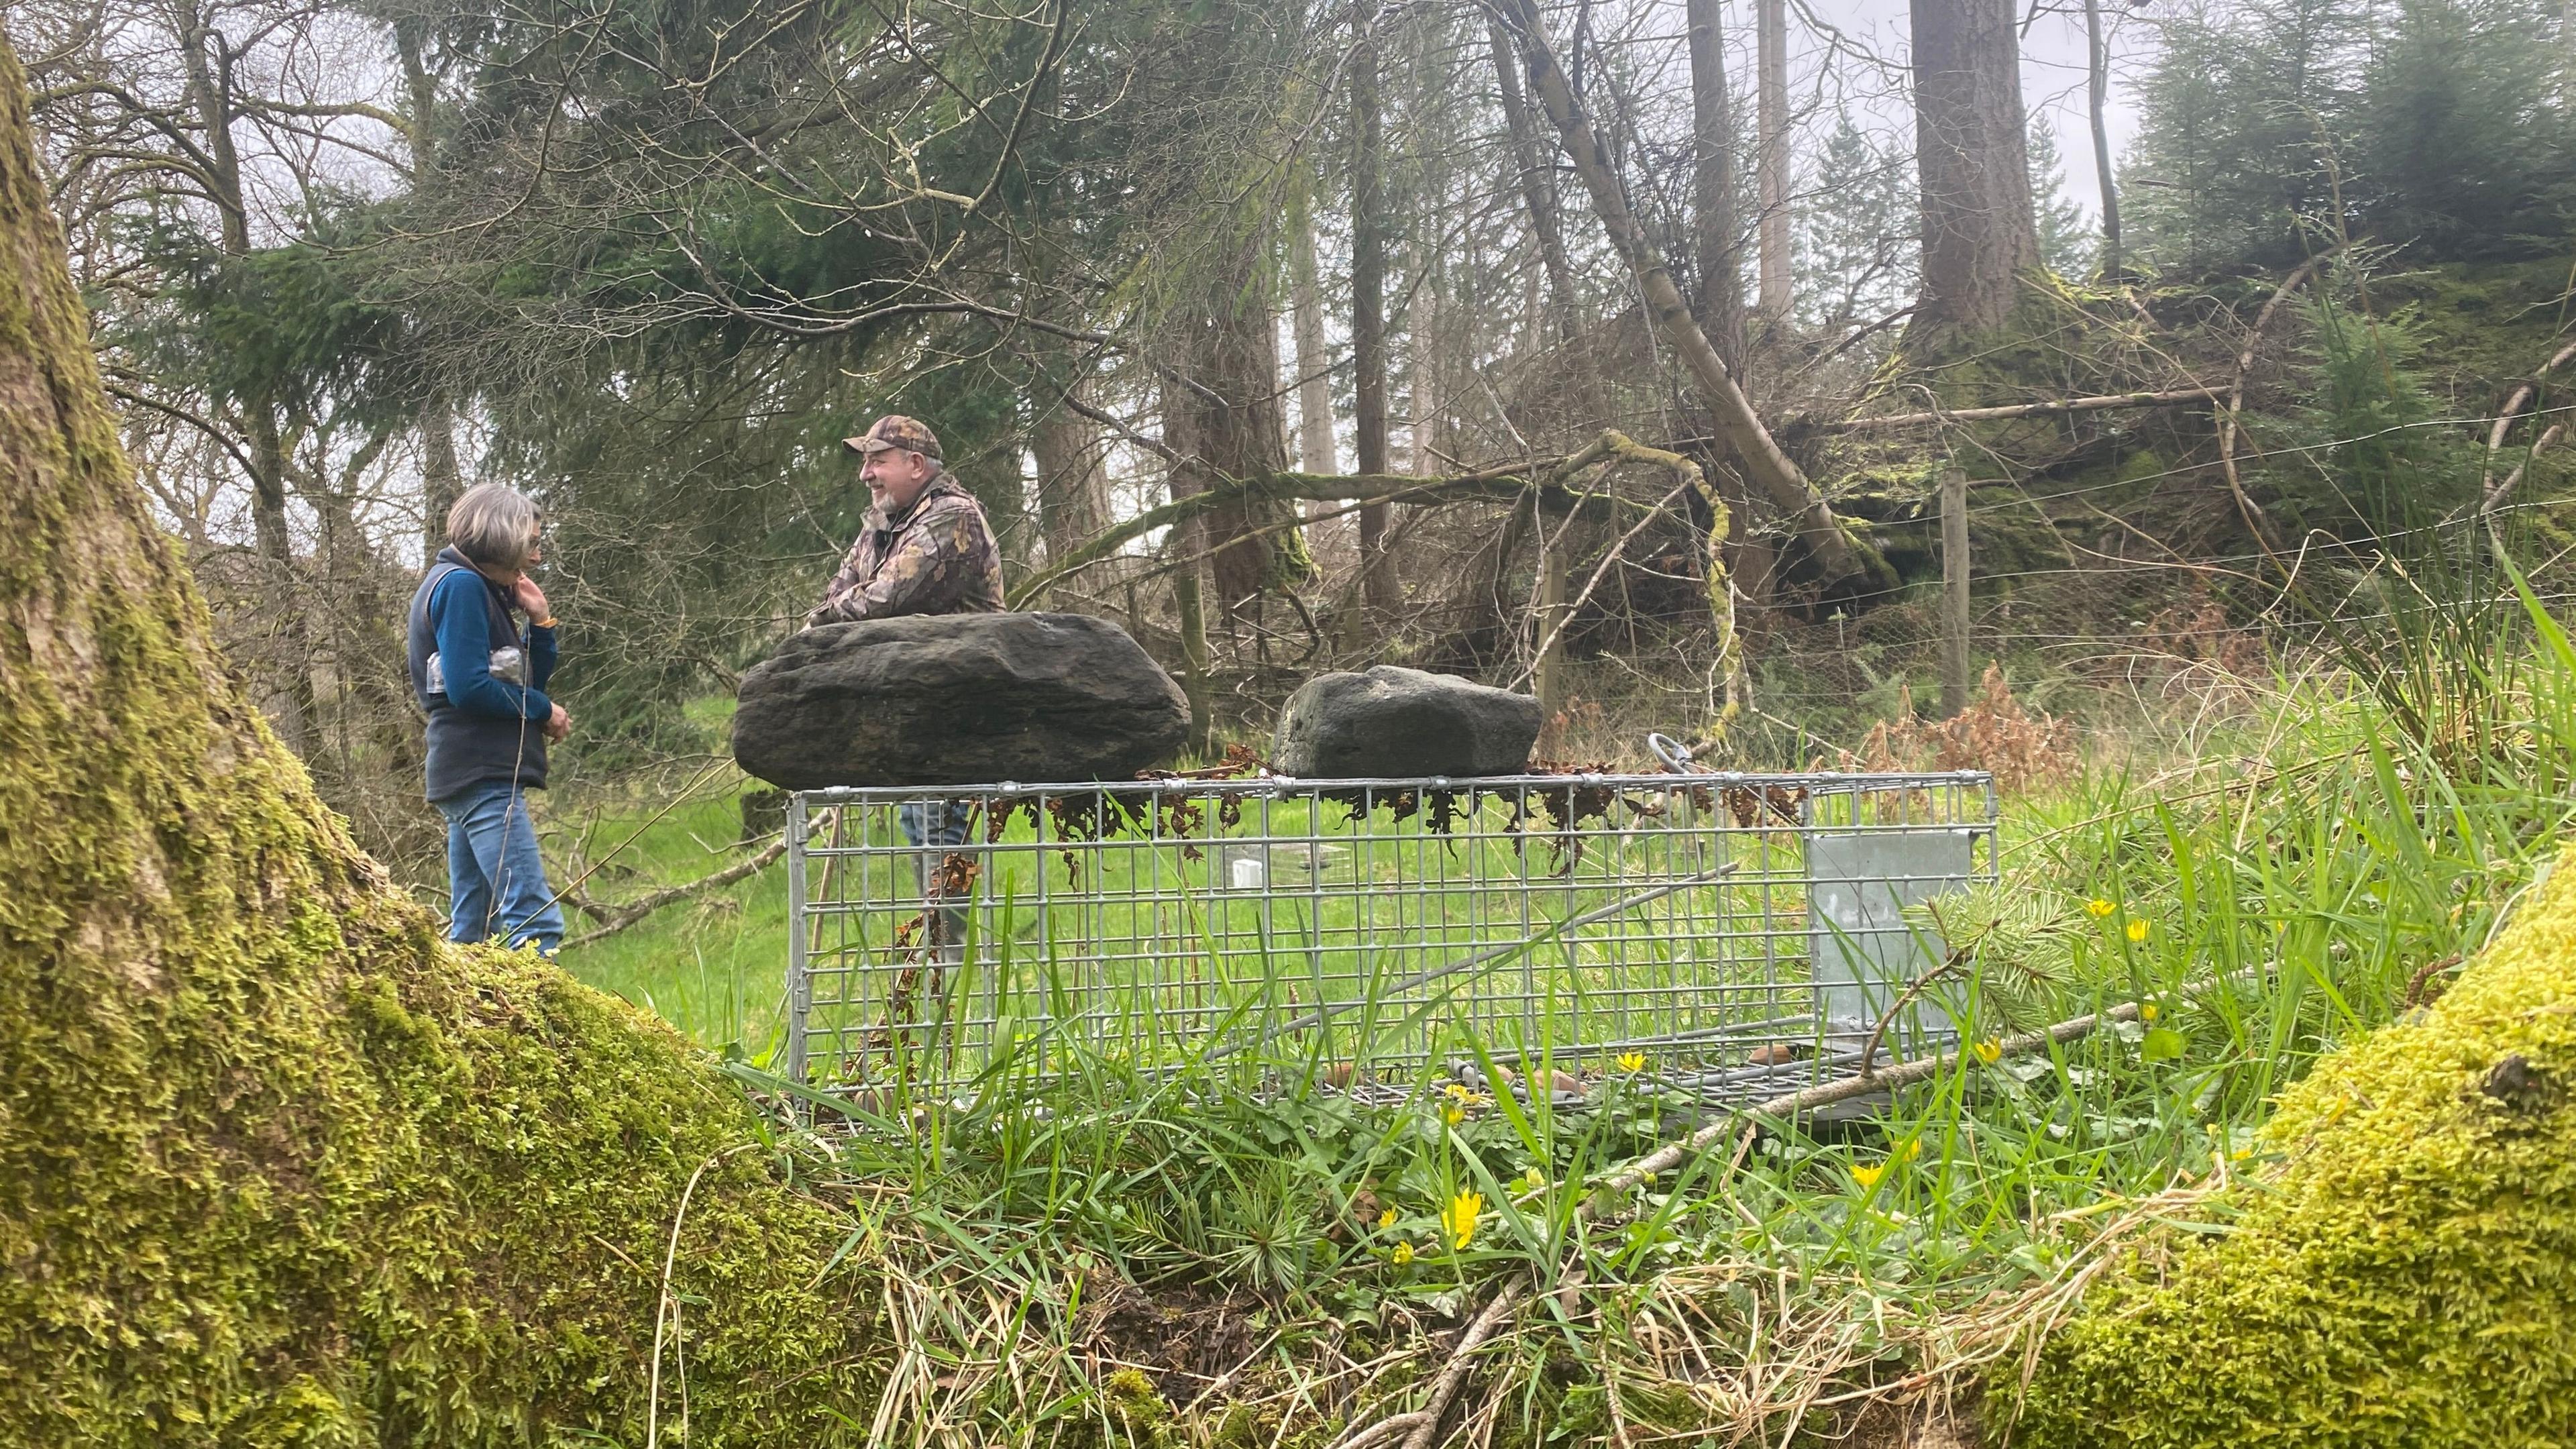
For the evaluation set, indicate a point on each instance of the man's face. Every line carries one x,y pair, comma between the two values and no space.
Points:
895,478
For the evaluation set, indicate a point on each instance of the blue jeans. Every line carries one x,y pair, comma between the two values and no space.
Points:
496,881
942,823
935,829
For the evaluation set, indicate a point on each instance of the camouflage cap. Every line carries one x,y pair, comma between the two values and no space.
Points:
894,430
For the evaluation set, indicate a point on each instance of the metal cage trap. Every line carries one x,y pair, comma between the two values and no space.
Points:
1736,935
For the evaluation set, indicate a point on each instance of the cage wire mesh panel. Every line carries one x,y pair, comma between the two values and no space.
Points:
1743,933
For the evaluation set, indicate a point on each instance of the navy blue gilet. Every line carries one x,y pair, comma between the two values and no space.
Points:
467,749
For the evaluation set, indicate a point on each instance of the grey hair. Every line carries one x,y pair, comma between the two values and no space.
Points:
495,525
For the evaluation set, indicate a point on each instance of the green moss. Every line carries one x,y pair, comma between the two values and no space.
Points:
277,1166
2406,1276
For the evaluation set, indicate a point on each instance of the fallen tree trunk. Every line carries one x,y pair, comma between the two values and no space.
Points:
2103,403
277,1164
1836,553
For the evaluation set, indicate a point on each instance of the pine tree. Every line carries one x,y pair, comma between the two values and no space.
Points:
2068,243
1858,232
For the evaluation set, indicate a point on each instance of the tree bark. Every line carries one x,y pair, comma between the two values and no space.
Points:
1972,157
303,1154
2097,95
1230,426
1317,449
1721,288
1379,591
1422,346
1771,124
1072,485
1832,552
1538,184
442,478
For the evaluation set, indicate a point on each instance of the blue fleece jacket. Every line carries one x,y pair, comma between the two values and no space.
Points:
460,616
481,729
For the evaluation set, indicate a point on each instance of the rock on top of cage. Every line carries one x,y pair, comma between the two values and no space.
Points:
957,699
1395,723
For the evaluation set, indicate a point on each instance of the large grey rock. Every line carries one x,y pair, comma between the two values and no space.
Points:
1392,722
957,699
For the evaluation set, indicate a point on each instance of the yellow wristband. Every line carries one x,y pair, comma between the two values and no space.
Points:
547,622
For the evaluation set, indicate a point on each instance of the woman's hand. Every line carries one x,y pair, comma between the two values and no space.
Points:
528,596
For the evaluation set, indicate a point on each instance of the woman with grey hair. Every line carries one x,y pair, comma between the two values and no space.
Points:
482,682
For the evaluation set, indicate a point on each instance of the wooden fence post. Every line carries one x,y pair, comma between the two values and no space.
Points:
1551,627
1954,592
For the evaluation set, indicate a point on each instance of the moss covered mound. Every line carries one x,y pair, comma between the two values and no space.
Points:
276,1165
2408,1275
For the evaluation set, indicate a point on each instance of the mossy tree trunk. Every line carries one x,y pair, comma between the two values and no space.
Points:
276,1164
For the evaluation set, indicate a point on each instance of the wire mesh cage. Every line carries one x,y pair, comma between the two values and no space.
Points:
1738,931
1732,929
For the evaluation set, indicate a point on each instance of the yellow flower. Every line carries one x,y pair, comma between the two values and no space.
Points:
2137,930
1403,1254
1458,1219
2240,1154
1911,1150
1989,1051
2146,1011
1453,1115
2098,907
1868,1177
1632,1062
1533,1180
1386,1220
1457,1092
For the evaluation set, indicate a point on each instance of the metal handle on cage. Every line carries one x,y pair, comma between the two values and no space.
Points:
1675,755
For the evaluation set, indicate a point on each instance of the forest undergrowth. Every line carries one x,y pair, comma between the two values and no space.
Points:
1117,1258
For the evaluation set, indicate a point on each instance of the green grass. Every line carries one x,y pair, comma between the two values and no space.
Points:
714,966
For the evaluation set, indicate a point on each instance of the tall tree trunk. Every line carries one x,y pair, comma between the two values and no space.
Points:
1833,552
1972,155
1072,489
1537,180
1721,287
1422,344
442,479
1771,166
2098,96
1379,591
1186,550
277,1161
1317,451
1229,426
210,96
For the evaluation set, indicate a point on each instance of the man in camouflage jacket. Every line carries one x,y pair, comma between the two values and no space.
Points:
926,548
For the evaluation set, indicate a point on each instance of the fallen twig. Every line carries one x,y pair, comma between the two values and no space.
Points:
2255,518
2489,492
615,919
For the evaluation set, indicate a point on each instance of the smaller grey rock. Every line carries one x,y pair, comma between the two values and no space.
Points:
1392,723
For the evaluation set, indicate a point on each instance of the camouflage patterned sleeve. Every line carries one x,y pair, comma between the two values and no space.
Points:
946,563
845,584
